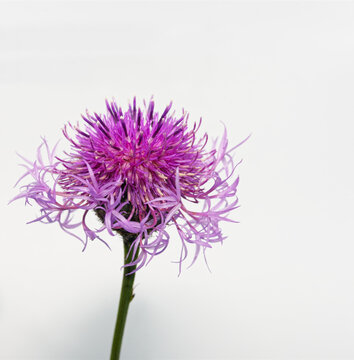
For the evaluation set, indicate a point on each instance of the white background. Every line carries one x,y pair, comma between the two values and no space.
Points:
281,286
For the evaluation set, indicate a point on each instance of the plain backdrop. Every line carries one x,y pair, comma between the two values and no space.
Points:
281,286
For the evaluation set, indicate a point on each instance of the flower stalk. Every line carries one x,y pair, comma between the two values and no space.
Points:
126,296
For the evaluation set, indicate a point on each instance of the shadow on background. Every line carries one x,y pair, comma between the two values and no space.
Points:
90,337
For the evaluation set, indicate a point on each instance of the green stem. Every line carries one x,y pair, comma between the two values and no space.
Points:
126,296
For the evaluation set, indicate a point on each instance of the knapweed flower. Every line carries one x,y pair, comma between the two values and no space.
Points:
139,171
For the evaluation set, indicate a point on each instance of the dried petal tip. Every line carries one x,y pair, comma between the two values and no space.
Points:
139,171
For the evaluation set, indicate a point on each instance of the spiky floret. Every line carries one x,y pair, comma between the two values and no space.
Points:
139,171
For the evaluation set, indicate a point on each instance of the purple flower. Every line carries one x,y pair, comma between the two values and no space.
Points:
139,172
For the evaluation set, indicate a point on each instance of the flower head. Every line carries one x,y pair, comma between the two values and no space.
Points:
139,171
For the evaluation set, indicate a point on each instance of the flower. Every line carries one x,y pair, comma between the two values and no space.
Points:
139,172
